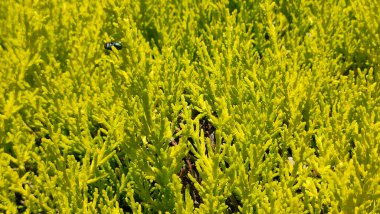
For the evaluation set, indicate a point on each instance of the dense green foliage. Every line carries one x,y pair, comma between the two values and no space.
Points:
210,107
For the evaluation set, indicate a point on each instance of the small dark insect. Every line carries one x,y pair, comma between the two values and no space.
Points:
109,45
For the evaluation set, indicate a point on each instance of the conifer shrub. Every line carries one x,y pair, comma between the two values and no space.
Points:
197,107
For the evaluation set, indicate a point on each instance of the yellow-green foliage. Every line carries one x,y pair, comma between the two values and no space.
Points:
200,112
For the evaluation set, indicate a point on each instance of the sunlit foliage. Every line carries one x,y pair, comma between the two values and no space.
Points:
209,107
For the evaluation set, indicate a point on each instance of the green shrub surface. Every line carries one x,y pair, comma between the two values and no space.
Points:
210,106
